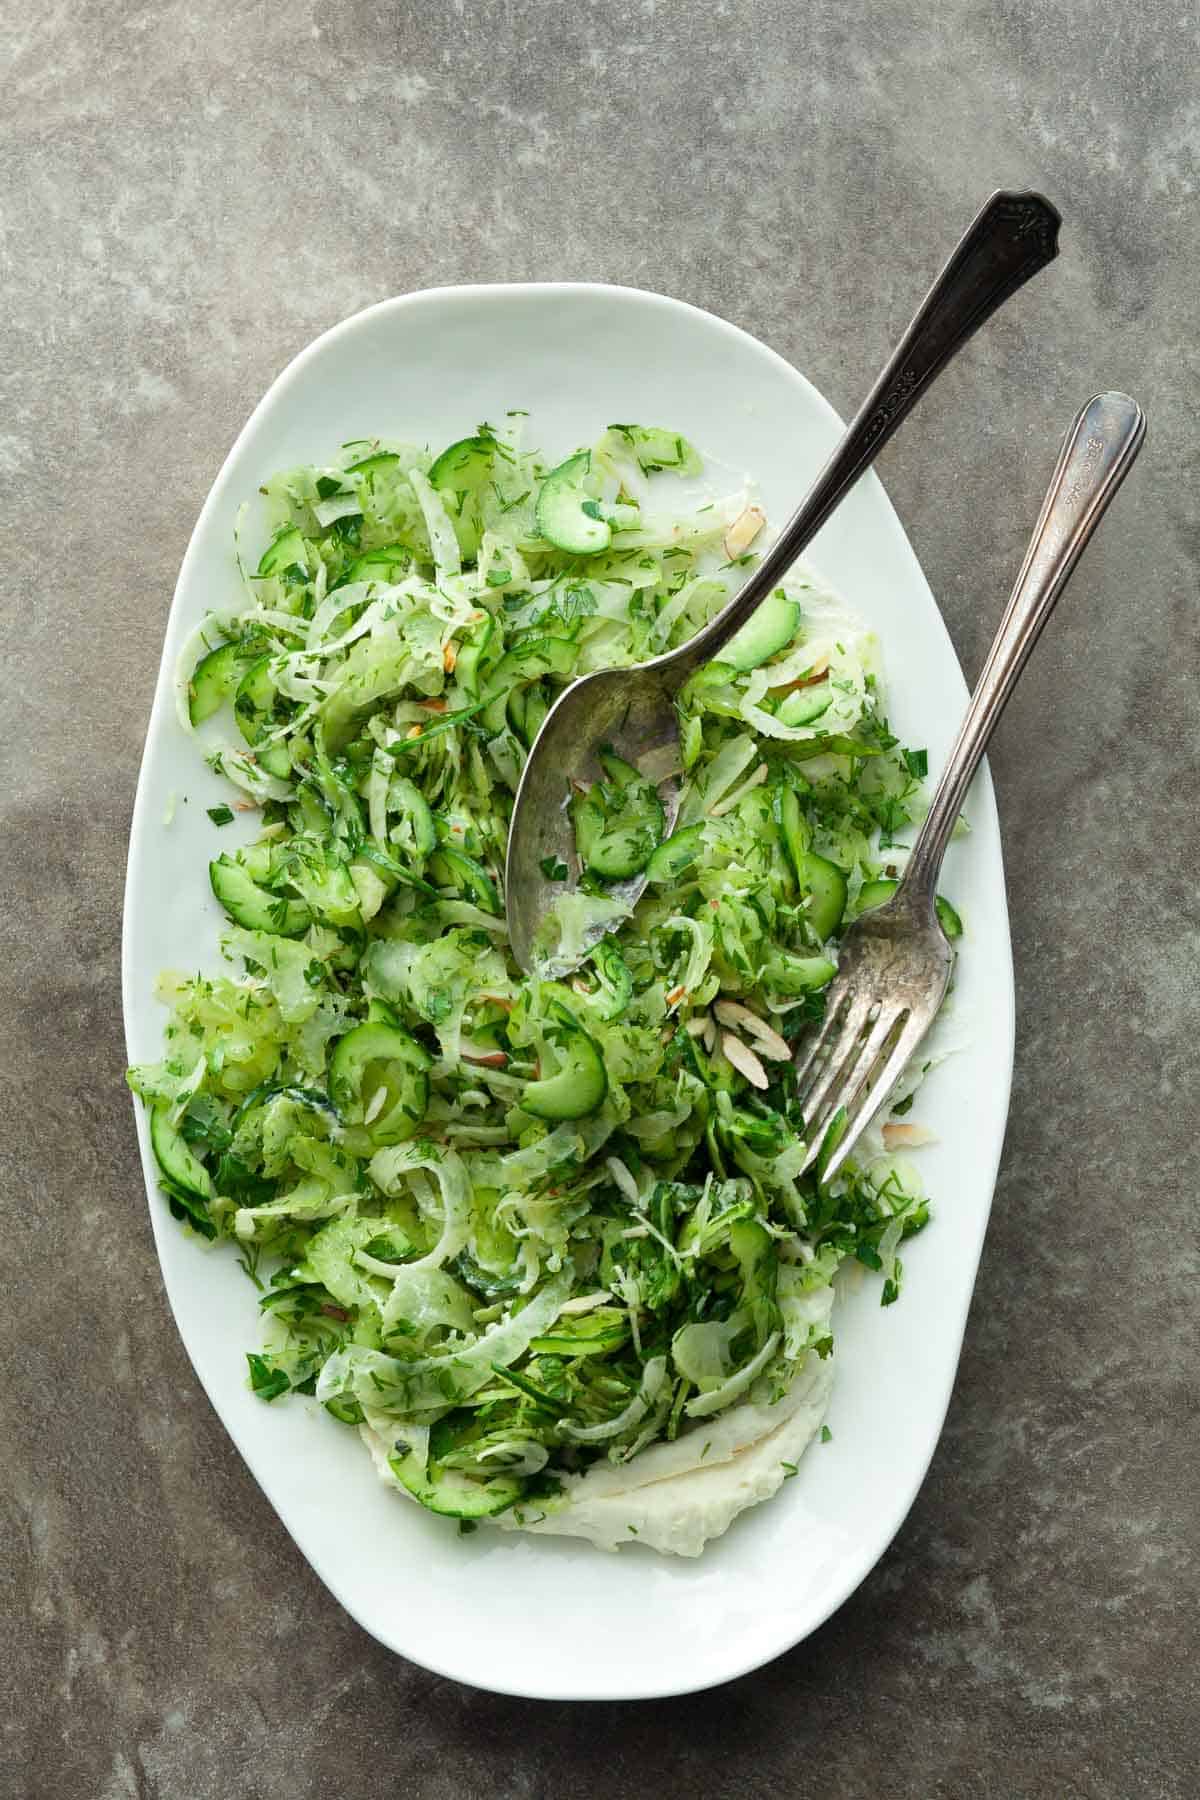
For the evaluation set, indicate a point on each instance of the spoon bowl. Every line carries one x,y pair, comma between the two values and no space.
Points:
633,710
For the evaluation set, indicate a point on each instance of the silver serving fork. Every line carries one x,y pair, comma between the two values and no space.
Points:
894,963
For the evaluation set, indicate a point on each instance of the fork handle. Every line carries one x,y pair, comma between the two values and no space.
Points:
1008,241
1097,454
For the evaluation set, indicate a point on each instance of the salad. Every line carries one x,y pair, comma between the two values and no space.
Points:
541,1240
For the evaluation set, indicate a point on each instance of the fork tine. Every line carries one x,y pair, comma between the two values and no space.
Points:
834,1004
844,1082
843,1054
872,1094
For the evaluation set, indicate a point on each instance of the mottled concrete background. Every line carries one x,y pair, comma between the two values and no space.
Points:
189,193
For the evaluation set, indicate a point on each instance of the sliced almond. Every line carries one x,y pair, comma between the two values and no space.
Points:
709,1035
676,995
450,657
744,1060
623,1178
433,706
482,1054
584,1303
414,731
900,1135
810,678
767,1041
742,533
731,800
697,1025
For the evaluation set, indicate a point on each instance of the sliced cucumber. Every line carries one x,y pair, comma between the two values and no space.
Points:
619,822
805,705
253,906
417,830
373,1056
786,973
450,1492
874,893
793,828
386,563
581,1083
587,817
537,705
175,1157
380,1013
454,868
285,549
375,463
566,515
254,710
826,894
765,633
656,448
675,855
623,849
617,772
615,978
460,475
215,679
324,882
472,653
590,1334
524,663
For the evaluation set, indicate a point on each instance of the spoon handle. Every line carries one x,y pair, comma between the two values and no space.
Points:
1013,236
1096,456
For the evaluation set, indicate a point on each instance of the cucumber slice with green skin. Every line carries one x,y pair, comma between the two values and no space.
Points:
215,679
826,894
537,705
874,893
765,633
285,549
472,653
615,978
407,799
253,906
712,675
758,1263
453,1494
175,1157
591,1334
374,1056
459,476
793,828
566,515
617,772
587,817
619,821
388,563
790,974
514,712
623,849
803,706
522,664
675,855
375,463
581,1083
454,868
254,710
324,882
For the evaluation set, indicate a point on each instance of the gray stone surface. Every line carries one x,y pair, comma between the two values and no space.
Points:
189,194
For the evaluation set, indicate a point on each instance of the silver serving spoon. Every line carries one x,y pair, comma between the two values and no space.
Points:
633,709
